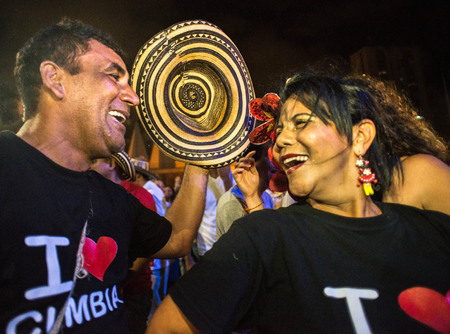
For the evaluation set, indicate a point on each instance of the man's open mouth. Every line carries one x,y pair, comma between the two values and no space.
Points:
118,116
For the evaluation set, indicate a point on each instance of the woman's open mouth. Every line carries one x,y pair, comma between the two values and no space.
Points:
292,162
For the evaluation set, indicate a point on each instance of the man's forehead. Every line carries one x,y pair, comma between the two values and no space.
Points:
104,54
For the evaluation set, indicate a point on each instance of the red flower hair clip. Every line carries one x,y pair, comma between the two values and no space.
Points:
265,109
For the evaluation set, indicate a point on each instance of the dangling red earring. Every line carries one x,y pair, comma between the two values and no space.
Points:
366,176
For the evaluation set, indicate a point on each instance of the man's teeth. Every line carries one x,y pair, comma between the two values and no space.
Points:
117,115
295,160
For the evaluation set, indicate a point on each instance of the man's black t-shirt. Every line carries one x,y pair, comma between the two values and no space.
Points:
43,210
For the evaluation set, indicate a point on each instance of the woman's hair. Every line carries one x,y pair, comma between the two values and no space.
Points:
347,100
62,43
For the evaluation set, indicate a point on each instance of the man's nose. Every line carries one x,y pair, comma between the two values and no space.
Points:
129,96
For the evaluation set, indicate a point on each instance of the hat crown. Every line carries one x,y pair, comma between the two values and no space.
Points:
194,90
199,97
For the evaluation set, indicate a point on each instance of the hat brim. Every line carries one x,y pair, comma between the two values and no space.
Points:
125,164
194,90
144,172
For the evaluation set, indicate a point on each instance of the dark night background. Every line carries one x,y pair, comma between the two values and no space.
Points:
274,37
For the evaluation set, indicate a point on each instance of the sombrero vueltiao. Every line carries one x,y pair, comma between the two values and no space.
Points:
194,90
125,164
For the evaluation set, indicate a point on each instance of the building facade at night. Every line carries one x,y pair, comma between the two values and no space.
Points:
409,68
402,66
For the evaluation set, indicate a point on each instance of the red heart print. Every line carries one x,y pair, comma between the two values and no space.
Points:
98,256
427,306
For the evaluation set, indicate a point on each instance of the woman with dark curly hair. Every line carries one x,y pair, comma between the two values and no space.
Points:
422,177
411,171
411,168
338,261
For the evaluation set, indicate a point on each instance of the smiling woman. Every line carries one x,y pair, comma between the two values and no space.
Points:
314,155
342,106
338,256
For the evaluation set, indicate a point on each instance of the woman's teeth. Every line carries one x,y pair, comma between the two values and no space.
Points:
293,161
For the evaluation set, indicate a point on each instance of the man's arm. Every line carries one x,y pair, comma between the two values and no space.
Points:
168,319
186,212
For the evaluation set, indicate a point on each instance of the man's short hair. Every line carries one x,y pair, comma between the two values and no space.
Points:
63,43
9,107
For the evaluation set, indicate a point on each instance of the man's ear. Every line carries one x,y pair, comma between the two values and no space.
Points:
52,76
363,135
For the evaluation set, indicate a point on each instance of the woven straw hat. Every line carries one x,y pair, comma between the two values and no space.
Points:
194,90
125,164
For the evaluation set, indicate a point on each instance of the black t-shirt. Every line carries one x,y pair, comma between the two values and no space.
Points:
301,270
42,213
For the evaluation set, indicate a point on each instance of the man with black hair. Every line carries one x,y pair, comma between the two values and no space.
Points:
67,234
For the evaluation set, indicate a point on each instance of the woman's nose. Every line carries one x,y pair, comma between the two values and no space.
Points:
285,138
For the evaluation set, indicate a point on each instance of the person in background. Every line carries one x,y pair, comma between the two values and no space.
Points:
119,169
207,235
164,271
74,234
169,195
252,174
137,287
177,184
150,181
337,261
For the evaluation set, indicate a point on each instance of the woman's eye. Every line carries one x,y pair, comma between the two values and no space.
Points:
115,76
278,131
303,120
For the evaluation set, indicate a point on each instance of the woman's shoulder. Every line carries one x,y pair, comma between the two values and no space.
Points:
425,184
421,161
